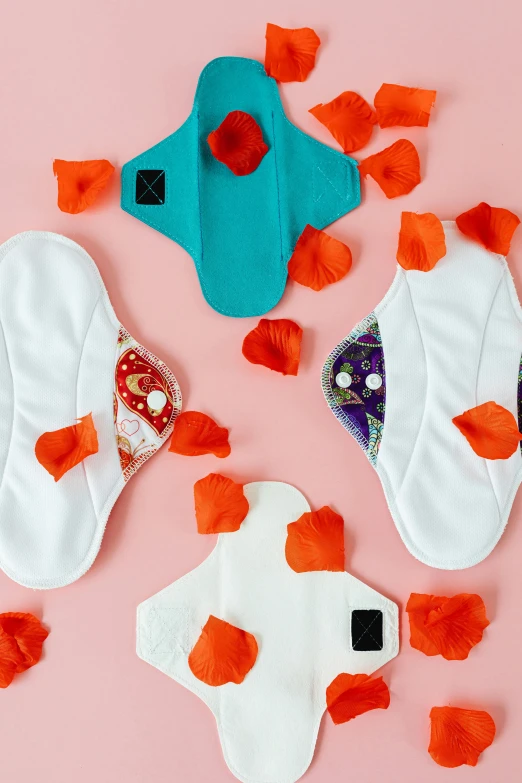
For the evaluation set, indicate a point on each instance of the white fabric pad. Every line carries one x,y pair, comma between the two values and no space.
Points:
451,340
60,350
301,621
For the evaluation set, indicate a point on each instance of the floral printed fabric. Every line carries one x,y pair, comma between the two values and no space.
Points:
359,407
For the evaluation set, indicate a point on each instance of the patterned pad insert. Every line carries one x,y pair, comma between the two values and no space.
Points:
354,384
147,400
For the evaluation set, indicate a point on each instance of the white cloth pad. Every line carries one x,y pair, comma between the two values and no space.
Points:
63,355
302,624
451,340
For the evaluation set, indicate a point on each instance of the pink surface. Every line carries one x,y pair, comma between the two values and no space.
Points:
109,79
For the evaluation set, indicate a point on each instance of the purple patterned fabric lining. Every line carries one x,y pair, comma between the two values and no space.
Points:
359,406
364,356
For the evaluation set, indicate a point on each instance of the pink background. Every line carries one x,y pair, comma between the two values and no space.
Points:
108,79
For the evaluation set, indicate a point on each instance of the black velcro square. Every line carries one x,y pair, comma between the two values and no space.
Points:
150,187
367,630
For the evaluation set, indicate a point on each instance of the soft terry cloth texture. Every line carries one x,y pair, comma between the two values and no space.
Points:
240,231
451,340
302,623
64,355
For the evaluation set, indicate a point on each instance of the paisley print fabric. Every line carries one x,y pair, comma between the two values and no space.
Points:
354,384
147,399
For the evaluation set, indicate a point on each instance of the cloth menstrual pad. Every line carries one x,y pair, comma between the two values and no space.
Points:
64,355
309,628
240,230
438,344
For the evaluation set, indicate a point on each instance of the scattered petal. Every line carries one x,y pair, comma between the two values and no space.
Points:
492,227
10,659
290,54
459,736
221,505
319,259
421,241
315,542
450,627
275,344
407,106
223,653
349,118
80,182
28,633
61,450
196,433
396,169
350,695
21,639
238,143
491,430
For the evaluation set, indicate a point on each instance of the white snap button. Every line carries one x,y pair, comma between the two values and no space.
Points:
373,381
343,379
156,400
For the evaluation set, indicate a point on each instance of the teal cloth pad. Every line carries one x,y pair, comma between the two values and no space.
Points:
240,230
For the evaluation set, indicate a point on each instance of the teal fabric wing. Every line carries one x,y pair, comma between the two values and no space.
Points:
240,231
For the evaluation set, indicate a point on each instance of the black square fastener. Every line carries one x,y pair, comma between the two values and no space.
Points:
150,187
367,633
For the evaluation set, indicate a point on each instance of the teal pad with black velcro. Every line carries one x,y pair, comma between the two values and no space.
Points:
240,230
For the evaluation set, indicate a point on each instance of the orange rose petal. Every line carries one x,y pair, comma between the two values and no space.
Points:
349,118
196,433
80,182
421,241
29,635
275,344
491,430
61,450
350,695
459,736
221,505
223,653
10,659
21,638
319,259
492,227
450,627
290,54
238,143
407,106
315,542
396,169
418,608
